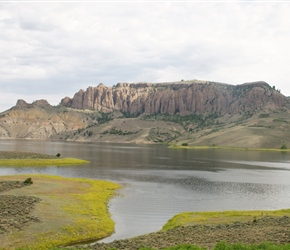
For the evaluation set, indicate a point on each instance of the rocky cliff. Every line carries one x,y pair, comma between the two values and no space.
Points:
182,98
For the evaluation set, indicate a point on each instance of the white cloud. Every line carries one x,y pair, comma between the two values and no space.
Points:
54,49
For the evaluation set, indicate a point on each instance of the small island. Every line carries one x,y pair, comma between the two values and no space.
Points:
23,159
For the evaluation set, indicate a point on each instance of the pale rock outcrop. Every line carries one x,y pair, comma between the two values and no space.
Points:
178,98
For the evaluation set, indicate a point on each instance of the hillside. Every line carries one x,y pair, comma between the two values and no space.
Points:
39,120
195,112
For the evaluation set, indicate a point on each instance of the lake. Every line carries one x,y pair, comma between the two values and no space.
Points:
160,182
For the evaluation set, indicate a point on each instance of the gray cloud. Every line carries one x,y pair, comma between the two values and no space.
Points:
54,49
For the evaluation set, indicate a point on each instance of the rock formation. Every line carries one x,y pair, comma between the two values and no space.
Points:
182,98
247,115
39,120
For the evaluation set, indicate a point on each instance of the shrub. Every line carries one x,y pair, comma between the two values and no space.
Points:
58,155
28,181
264,115
284,146
185,144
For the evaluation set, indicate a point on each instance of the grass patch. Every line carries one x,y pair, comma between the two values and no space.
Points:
239,246
222,245
191,218
41,162
70,210
22,159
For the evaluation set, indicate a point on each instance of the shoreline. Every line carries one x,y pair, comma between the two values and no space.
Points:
41,162
196,228
265,229
79,193
174,146
170,145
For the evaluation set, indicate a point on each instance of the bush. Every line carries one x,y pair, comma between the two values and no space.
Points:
58,155
264,115
284,146
28,181
185,144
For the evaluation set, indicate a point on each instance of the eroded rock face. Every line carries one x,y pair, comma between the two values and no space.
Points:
178,98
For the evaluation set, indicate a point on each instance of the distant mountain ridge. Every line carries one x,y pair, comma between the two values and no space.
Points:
184,97
195,112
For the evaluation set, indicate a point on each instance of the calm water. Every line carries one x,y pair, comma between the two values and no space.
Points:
160,182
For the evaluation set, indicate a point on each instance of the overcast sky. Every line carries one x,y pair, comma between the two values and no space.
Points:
49,50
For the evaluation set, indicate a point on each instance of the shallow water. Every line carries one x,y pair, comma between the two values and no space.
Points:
160,182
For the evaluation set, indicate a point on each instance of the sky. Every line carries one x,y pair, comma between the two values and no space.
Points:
52,49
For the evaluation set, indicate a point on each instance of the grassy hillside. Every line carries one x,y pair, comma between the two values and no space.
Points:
261,130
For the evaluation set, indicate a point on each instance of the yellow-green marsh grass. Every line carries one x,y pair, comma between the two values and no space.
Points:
192,218
70,210
41,162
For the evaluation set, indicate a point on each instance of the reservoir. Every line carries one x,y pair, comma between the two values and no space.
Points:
159,182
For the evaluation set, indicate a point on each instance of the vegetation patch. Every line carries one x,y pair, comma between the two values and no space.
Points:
15,212
239,246
22,159
222,245
264,115
238,235
115,131
280,120
160,135
41,162
284,147
68,210
190,218
200,121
